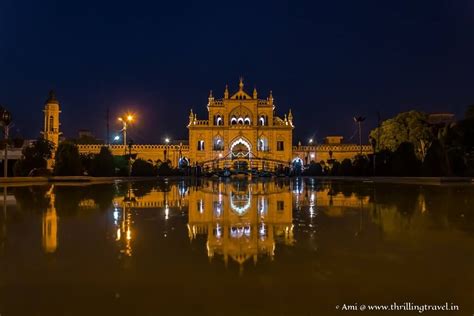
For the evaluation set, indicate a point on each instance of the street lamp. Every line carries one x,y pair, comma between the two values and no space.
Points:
125,121
358,120
167,141
310,155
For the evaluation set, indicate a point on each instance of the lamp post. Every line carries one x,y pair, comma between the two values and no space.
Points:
373,142
5,120
130,145
125,121
359,120
310,144
167,141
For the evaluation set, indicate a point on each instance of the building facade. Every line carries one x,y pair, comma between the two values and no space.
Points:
240,129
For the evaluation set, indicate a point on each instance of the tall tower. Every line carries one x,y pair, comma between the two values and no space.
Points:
51,119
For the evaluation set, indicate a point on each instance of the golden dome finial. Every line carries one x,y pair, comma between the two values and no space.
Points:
241,83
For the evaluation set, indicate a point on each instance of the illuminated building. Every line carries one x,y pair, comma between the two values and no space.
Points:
239,129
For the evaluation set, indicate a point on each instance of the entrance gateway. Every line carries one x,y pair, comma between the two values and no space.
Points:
240,151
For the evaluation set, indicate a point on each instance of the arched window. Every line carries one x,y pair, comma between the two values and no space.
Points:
200,145
51,123
240,121
218,143
218,120
233,120
262,120
262,144
247,121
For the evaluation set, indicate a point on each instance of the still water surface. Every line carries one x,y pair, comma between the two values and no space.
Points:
203,247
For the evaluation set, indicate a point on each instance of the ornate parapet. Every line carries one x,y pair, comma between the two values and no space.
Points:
330,151
151,152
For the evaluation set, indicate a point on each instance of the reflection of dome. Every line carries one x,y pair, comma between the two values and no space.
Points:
240,202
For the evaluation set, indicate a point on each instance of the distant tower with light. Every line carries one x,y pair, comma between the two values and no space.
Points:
51,119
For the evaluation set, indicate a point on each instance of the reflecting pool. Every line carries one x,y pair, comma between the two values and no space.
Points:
234,247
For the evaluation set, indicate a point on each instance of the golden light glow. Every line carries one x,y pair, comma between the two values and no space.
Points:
129,117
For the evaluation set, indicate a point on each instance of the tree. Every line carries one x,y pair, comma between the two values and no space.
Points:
411,127
68,160
435,163
404,161
346,168
314,169
142,168
335,168
361,166
164,169
103,164
34,156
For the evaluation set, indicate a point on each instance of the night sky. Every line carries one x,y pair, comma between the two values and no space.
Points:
326,60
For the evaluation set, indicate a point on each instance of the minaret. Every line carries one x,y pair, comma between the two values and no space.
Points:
191,118
270,98
226,92
255,93
211,98
51,119
241,84
290,118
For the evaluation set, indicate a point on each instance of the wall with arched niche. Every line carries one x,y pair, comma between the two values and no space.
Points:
240,116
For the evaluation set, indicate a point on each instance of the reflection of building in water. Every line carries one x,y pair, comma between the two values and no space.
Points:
50,224
172,196
123,221
241,220
324,199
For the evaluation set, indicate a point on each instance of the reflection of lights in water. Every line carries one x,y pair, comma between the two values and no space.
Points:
218,231
201,206
298,186
218,209
239,199
263,230
311,205
167,212
237,232
262,206
123,222
183,189
116,216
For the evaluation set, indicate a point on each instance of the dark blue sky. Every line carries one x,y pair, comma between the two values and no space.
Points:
327,60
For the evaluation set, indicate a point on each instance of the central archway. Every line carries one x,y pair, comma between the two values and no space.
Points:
240,148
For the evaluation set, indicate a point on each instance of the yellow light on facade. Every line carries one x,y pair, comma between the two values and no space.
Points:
120,119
